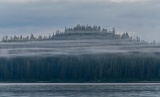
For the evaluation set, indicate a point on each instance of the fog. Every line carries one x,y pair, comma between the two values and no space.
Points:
74,47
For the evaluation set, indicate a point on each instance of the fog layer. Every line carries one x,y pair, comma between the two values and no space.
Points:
73,47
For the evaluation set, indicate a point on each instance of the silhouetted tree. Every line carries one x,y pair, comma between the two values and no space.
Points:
113,31
32,37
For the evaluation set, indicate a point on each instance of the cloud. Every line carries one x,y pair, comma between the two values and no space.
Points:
124,0
18,1
38,16
26,1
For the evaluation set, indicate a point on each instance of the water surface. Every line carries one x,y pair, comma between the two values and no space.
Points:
79,90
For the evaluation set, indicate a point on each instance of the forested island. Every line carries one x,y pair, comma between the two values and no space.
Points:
79,54
77,32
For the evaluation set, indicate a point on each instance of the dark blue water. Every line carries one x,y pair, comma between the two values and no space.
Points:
79,90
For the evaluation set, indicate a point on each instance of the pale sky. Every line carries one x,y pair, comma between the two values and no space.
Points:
23,17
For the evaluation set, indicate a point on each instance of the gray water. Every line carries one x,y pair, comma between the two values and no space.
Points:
79,90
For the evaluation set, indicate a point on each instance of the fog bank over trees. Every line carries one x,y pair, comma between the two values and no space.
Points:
77,32
79,54
75,41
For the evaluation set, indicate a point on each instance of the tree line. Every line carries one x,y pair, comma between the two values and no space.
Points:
120,67
107,34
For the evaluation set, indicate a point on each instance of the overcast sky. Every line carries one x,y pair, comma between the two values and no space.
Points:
137,17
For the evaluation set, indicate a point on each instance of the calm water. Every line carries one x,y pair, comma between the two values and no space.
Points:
79,90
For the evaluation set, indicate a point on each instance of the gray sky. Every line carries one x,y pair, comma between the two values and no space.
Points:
137,17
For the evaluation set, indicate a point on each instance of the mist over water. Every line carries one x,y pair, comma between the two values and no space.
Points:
73,47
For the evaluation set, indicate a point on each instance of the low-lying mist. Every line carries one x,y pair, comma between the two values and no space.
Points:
74,47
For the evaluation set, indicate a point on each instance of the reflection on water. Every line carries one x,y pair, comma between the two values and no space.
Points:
79,90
